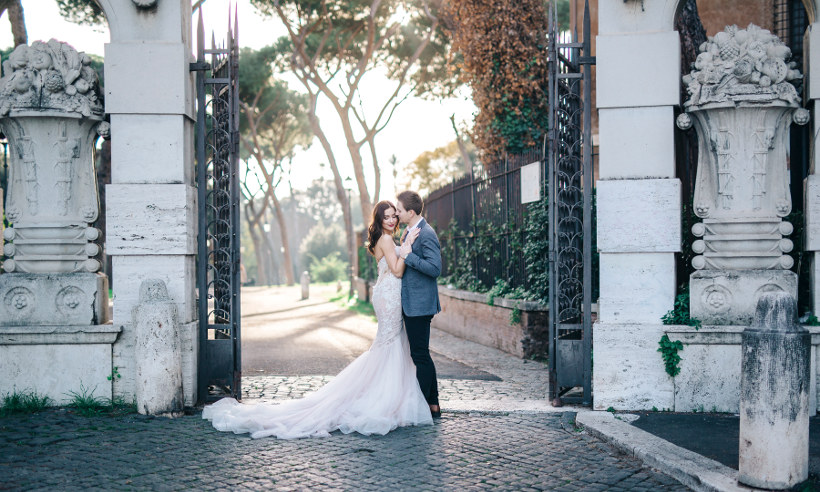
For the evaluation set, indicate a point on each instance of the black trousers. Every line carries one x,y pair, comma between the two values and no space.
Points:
418,334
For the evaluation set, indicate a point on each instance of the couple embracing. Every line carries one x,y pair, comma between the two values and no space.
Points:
391,385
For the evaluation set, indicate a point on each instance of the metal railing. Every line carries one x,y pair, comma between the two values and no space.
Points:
484,206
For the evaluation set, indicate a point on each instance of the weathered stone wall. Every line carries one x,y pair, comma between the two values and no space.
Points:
469,316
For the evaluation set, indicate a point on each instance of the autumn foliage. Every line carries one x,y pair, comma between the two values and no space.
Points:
500,48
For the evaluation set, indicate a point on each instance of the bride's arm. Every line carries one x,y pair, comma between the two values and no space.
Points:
394,262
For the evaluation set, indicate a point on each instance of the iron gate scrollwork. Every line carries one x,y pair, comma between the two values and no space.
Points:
569,188
218,270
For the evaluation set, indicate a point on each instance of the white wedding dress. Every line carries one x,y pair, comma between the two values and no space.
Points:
375,394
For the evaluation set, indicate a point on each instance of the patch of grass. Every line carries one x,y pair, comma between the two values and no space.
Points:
354,304
29,402
85,402
88,405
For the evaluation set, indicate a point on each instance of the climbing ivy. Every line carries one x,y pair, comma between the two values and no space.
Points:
679,314
669,351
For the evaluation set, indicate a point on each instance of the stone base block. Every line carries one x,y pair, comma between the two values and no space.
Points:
30,299
729,297
636,288
57,361
626,153
629,372
639,215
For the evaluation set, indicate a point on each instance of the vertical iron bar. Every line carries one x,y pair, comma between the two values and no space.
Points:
587,192
550,189
202,251
233,53
472,203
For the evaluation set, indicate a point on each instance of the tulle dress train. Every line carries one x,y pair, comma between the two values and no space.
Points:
375,394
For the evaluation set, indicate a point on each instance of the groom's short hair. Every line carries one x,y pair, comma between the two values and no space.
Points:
411,201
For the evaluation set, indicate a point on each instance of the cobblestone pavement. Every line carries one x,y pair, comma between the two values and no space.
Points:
520,379
58,450
500,435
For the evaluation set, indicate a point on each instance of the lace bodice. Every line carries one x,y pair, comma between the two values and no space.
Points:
387,304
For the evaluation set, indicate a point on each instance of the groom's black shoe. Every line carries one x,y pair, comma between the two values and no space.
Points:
436,413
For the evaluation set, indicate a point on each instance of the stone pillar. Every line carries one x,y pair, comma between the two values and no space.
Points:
742,104
159,362
305,284
774,396
151,201
638,203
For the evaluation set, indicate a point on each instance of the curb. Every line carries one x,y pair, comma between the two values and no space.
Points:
689,468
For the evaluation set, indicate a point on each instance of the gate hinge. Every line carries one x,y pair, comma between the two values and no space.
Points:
196,66
586,60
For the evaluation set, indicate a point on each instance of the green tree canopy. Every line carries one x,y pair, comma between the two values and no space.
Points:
322,241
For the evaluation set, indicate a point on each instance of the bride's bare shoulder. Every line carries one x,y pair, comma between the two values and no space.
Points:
387,240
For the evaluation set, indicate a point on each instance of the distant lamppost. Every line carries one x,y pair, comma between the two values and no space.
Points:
351,242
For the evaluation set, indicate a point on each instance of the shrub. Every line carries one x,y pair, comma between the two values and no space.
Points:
328,269
322,241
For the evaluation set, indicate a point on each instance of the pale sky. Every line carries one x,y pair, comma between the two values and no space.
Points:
417,125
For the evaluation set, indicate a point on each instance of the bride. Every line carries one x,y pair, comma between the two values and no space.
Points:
376,393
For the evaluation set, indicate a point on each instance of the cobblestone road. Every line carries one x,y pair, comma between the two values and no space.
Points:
466,449
58,450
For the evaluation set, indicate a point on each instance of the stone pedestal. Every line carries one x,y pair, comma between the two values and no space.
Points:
729,297
53,299
56,361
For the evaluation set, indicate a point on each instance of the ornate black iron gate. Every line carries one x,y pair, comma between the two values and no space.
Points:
217,161
569,188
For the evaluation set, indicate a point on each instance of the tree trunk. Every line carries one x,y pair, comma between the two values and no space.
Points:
18,23
271,249
465,156
287,264
692,35
262,273
104,178
337,178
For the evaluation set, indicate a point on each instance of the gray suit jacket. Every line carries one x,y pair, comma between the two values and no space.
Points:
419,290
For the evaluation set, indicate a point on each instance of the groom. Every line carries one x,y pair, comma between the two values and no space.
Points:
419,292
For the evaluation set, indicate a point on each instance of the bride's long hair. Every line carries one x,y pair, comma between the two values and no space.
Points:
375,229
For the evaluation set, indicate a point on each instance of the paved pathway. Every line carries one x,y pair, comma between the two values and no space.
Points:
495,434
60,451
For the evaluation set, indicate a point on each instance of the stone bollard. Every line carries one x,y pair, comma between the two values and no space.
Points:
158,351
774,396
305,285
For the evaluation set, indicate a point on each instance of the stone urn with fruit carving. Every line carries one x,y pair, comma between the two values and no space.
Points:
742,102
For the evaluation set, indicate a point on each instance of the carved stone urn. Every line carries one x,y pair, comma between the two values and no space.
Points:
50,111
741,103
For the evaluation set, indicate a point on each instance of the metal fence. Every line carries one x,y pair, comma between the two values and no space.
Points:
484,205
